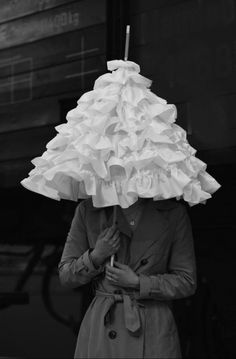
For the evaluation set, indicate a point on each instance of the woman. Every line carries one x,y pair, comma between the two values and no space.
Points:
130,315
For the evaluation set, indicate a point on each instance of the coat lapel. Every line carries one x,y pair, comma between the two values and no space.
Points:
107,214
121,221
150,229
152,226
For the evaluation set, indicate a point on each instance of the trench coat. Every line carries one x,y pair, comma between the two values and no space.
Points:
123,322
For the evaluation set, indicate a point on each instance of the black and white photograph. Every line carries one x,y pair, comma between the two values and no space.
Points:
117,179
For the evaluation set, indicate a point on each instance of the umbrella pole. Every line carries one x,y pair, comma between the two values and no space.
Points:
125,58
113,223
127,42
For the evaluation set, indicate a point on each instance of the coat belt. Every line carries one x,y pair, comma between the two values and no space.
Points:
131,309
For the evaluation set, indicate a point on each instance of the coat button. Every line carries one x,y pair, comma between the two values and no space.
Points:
112,334
144,261
117,291
86,268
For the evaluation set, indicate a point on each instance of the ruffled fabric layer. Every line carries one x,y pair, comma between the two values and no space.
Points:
121,142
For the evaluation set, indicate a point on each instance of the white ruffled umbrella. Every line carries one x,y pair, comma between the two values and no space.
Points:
120,143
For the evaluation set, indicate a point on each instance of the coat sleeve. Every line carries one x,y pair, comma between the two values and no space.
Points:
180,279
76,267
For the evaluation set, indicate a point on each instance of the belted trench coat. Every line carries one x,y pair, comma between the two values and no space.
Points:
123,322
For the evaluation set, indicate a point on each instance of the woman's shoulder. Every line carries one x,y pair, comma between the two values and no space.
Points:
86,205
173,209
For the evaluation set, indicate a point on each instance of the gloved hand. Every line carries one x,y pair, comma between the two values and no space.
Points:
107,244
122,275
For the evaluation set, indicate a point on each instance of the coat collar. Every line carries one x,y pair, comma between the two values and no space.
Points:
164,204
152,226
121,222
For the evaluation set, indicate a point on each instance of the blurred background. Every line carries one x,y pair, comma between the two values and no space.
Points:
51,52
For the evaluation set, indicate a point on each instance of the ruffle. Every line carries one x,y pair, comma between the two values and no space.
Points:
121,142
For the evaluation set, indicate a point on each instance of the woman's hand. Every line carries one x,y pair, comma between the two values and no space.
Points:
122,275
107,244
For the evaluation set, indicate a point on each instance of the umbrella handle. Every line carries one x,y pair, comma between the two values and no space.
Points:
112,260
113,223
